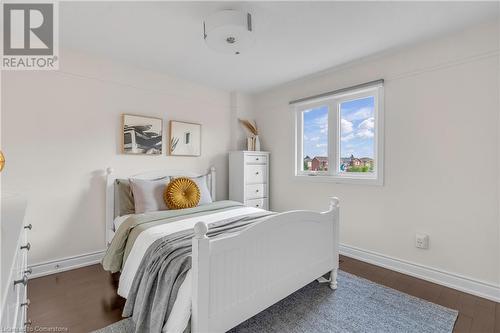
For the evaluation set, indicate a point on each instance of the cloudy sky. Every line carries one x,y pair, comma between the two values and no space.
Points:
357,129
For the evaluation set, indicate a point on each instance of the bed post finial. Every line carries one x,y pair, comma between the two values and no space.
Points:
109,170
200,230
334,203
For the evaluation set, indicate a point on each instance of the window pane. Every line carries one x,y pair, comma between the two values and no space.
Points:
357,135
315,139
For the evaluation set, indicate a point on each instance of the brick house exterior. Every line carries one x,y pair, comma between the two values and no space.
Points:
319,163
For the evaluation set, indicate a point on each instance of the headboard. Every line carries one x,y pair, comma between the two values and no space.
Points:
111,198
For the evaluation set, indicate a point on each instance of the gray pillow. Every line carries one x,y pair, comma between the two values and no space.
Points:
125,197
148,194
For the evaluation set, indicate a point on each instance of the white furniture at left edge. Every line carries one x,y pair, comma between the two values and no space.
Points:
14,270
237,275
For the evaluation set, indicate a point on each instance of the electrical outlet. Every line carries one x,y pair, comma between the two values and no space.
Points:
422,241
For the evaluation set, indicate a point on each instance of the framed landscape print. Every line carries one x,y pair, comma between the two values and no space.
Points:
185,139
142,135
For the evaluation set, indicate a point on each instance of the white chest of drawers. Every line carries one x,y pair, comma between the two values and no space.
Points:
14,275
249,178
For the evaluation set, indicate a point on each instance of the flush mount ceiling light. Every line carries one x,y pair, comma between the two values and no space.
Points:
229,31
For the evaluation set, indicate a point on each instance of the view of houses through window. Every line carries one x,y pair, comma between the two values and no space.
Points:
356,132
315,139
357,126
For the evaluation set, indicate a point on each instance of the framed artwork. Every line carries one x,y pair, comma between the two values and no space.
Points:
142,135
185,139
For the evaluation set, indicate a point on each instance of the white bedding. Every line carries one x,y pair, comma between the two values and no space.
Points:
181,311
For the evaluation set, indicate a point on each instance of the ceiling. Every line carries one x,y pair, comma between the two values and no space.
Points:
293,39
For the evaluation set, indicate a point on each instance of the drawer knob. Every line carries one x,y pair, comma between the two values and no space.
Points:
257,205
257,159
29,271
28,322
257,173
257,191
29,226
23,281
27,303
26,247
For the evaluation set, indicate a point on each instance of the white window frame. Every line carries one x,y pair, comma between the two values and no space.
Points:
333,103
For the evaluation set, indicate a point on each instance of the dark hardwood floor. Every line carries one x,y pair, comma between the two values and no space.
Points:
85,299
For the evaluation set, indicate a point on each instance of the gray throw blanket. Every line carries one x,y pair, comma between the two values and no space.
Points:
164,268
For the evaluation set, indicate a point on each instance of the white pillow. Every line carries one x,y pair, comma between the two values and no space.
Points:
148,194
205,196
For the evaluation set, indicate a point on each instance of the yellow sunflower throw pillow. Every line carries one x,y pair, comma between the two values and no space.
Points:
181,193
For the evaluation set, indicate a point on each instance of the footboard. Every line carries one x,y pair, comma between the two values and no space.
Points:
239,275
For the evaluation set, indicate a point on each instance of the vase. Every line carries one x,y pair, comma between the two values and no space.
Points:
257,143
249,144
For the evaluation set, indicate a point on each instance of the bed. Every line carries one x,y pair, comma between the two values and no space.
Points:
241,259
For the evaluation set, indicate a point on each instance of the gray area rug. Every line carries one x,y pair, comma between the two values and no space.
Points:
358,305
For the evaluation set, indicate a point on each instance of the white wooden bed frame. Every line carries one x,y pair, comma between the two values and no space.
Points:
238,275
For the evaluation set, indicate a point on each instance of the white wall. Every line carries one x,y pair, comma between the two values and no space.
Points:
441,154
241,108
60,130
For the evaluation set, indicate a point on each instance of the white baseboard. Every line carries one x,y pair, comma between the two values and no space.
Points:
452,280
66,264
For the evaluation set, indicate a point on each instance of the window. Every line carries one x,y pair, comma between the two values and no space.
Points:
339,137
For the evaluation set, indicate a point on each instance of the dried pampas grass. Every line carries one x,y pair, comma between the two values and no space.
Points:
251,127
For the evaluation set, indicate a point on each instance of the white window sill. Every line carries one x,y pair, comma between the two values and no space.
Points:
359,180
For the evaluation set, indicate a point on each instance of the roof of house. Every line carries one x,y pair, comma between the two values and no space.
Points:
321,158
